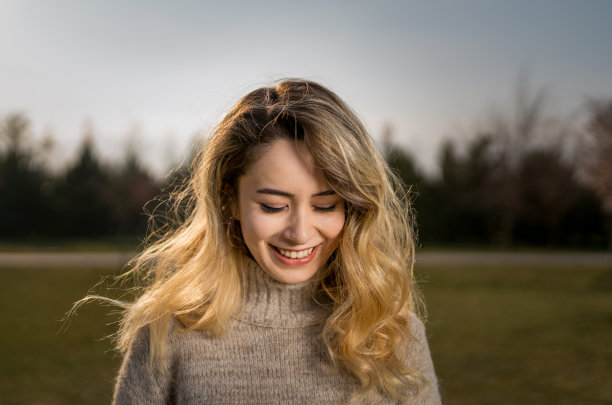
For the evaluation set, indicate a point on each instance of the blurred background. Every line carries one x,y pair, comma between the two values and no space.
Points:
497,115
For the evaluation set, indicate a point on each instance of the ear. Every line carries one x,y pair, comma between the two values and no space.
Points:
232,199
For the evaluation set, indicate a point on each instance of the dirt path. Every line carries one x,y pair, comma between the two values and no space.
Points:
64,259
118,259
558,259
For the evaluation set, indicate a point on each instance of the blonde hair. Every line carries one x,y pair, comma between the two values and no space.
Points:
191,271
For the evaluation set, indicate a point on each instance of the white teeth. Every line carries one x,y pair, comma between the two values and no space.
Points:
292,254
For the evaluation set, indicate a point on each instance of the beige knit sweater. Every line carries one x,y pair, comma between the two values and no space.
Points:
271,354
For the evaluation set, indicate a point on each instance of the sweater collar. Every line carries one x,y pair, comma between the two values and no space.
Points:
270,303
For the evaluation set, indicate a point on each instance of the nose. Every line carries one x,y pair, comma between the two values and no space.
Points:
299,228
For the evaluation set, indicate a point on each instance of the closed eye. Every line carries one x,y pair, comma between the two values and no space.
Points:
326,209
270,209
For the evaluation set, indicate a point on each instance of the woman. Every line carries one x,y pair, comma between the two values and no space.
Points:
289,276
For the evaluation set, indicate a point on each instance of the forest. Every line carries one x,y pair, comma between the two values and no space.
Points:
526,179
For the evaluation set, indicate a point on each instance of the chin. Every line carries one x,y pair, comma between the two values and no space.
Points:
291,276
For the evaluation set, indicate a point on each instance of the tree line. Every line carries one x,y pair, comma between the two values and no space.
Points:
520,182
89,198
524,180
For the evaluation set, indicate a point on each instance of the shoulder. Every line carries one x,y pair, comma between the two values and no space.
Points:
418,358
155,337
140,378
417,354
416,330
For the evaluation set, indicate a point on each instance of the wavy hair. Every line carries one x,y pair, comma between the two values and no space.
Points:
191,271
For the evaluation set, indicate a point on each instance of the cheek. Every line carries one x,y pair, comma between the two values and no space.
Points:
257,226
334,225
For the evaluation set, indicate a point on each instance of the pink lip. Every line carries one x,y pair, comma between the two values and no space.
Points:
295,262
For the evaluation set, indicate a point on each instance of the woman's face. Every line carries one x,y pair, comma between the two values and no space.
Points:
290,217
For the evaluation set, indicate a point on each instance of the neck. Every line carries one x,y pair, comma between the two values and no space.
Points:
268,302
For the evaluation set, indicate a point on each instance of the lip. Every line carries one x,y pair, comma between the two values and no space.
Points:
297,261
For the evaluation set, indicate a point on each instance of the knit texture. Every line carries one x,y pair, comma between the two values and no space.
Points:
272,353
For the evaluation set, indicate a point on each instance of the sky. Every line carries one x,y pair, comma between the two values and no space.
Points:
156,74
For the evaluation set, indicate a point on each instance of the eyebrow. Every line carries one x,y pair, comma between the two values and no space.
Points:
285,194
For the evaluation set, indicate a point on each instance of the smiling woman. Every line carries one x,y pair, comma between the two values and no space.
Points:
288,278
290,219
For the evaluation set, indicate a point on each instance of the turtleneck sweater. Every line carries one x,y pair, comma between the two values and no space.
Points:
272,353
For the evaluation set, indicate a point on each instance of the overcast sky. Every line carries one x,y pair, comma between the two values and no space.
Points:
165,70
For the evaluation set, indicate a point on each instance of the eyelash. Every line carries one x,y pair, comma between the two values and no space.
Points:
326,209
274,210
270,210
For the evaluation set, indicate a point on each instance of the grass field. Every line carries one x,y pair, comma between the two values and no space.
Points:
498,336
521,335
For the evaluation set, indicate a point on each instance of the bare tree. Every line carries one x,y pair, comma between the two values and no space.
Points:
598,153
514,134
15,135
22,205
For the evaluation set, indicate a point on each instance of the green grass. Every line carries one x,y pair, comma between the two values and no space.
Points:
521,335
497,335
40,364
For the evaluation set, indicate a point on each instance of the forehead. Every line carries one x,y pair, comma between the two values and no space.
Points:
285,163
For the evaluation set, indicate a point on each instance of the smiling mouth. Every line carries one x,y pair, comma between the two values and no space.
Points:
294,254
295,257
